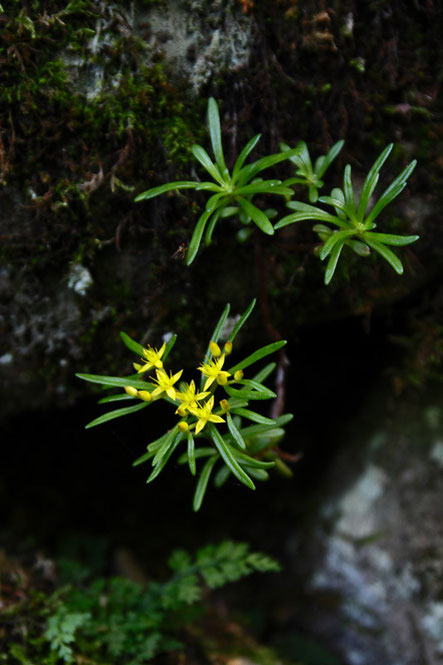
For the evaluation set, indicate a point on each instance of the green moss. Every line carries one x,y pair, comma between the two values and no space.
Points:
65,134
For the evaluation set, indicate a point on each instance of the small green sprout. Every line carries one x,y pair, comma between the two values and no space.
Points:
239,448
355,225
308,175
232,192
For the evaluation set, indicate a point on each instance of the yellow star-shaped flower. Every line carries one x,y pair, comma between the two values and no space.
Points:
213,370
188,397
152,358
204,414
165,383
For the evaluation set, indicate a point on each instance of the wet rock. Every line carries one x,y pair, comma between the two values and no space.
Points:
198,39
381,542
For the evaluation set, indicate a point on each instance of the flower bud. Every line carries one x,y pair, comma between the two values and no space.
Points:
131,391
181,411
214,349
228,348
183,426
222,379
238,375
225,406
145,395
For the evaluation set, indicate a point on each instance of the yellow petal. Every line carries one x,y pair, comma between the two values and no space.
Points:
177,375
215,419
209,382
199,426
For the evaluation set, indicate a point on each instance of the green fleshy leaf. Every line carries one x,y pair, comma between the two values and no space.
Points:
322,231
263,374
386,253
245,393
349,192
255,385
162,189
197,236
116,381
358,247
217,330
390,239
151,450
257,215
258,474
115,398
319,215
262,431
222,476
211,226
118,413
199,453
234,432
242,320
208,186
215,201
322,167
293,181
131,344
191,453
215,134
169,346
248,172
334,238
246,460
161,465
371,181
255,417
227,455
164,447
153,446
333,260
202,156
203,482
258,355
243,155
313,193
338,203
264,187
303,159
391,193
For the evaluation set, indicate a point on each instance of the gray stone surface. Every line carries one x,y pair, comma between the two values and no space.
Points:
198,39
379,550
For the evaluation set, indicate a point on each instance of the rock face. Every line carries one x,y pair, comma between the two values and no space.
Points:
115,111
198,39
381,543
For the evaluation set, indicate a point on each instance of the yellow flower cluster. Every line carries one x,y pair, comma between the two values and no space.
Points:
190,400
